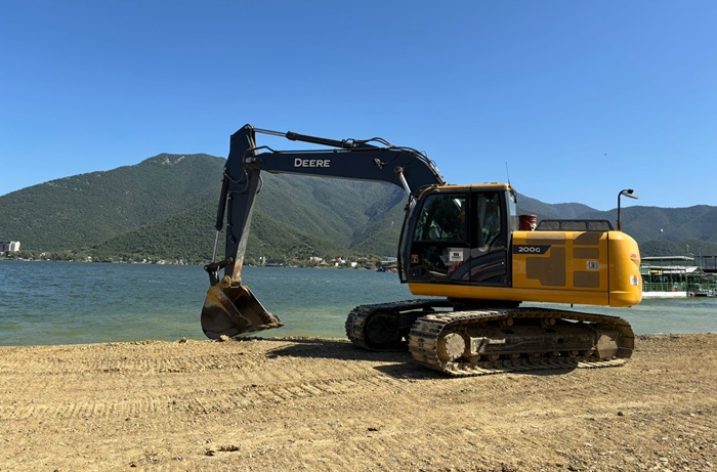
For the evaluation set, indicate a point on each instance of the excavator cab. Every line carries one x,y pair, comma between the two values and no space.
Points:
460,235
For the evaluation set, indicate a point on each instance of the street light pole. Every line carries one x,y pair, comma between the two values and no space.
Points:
629,193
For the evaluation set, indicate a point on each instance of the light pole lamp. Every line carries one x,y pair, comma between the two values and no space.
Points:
629,193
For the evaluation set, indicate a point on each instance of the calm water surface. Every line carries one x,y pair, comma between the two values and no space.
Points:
64,302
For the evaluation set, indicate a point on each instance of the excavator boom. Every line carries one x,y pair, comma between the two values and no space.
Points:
230,307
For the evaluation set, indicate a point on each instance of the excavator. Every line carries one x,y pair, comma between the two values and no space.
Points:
464,246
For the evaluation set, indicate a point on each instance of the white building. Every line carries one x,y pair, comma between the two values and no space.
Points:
14,246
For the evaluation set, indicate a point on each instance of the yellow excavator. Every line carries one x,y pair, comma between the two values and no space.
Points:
462,243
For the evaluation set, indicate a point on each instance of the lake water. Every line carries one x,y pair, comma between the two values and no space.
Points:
63,302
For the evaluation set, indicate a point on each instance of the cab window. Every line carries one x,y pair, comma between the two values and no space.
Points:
488,217
442,218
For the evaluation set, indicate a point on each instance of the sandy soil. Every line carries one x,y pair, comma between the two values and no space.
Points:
324,405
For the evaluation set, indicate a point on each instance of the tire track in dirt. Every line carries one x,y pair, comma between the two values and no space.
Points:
272,386
321,405
55,367
204,401
361,449
163,358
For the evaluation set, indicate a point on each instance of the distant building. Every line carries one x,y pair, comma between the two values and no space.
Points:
676,277
3,246
14,246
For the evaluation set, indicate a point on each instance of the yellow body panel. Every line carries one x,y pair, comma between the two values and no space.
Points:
596,268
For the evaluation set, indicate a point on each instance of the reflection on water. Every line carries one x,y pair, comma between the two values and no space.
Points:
61,302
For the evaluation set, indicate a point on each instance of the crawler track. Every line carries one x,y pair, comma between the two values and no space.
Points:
491,341
426,334
405,312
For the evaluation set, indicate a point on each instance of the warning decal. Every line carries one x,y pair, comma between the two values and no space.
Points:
455,254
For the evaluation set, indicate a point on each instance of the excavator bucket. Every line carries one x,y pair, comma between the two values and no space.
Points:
231,309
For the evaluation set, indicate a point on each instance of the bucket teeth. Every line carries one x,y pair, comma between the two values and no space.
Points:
231,309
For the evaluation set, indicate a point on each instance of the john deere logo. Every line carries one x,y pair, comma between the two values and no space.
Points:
298,162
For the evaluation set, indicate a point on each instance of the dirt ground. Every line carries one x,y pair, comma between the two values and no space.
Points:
325,405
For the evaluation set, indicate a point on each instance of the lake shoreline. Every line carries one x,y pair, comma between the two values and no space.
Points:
75,303
200,264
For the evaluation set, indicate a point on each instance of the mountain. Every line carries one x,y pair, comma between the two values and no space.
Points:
164,207
293,219
660,231
551,211
668,231
666,224
87,209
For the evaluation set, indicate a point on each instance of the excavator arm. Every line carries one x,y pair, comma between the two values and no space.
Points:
230,307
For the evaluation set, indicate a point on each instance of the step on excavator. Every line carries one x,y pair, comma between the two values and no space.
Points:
462,245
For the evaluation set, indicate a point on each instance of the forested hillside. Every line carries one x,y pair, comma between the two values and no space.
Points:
87,209
164,207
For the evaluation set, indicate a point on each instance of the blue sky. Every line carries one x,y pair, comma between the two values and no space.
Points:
580,99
